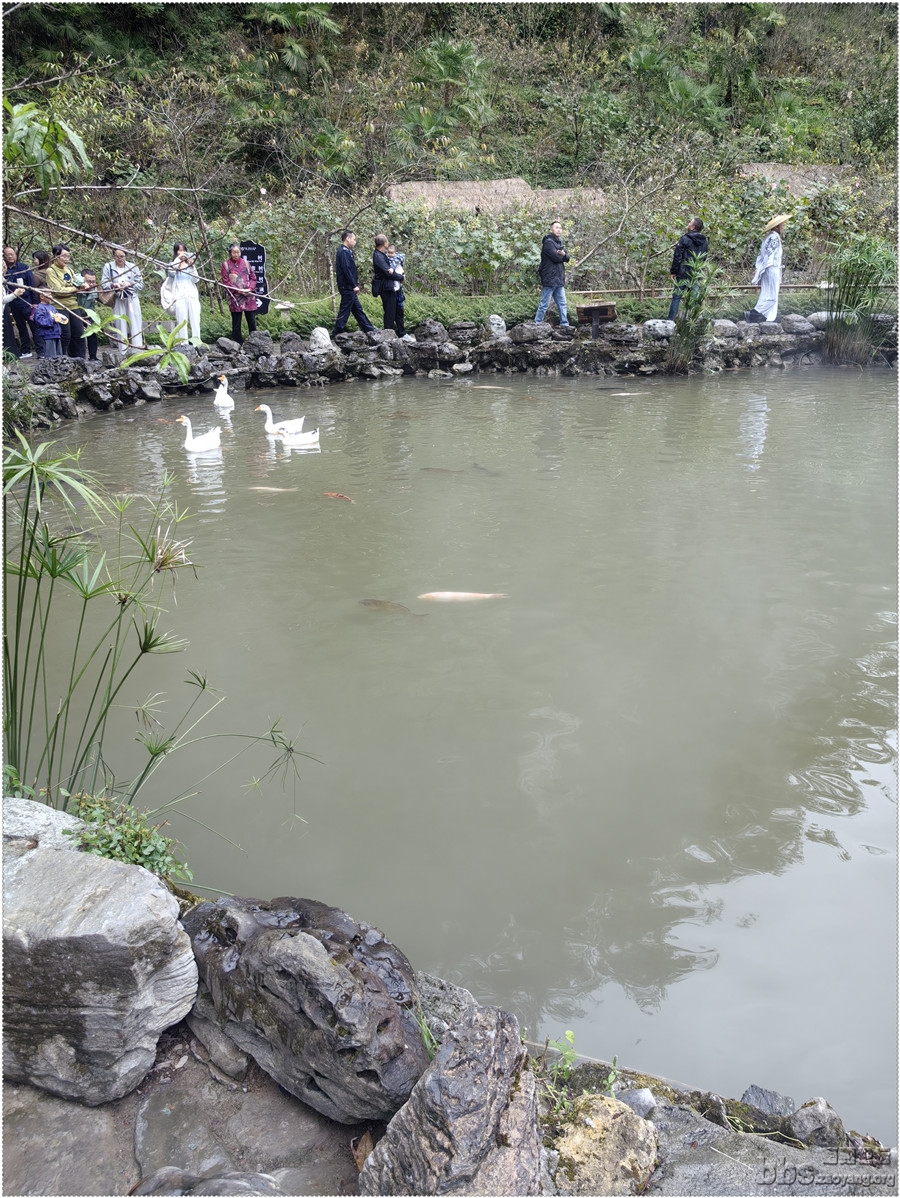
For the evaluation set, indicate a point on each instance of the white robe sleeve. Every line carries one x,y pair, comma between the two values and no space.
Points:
769,255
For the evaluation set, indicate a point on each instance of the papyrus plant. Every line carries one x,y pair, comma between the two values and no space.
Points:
860,268
105,608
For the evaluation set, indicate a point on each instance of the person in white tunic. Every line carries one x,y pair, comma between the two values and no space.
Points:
179,292
125,280
768,272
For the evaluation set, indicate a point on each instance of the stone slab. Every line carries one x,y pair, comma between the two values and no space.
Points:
51,1146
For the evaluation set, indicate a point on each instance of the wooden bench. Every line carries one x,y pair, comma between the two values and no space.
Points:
595,315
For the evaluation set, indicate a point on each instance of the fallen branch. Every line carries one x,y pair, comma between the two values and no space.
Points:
119,187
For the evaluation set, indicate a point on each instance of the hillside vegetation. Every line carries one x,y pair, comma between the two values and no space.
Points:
285,121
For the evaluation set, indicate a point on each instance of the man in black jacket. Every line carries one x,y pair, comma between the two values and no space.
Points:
691,242
348,285
553,275
17,275
385,281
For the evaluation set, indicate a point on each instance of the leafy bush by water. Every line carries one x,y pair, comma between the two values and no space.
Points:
122,833
859,268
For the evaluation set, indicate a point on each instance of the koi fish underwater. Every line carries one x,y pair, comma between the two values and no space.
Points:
459,596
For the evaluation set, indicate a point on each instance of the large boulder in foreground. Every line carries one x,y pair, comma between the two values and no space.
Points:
470,1126
324,1004
95,964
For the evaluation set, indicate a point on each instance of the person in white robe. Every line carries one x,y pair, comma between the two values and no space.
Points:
180,295
125,280
768,271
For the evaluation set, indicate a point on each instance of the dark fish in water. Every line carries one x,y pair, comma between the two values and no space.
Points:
439,470
486,470
393,609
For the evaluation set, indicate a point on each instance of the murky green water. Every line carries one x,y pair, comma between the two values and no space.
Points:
649,796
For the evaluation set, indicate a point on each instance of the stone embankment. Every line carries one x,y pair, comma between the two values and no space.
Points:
282,1047
61,388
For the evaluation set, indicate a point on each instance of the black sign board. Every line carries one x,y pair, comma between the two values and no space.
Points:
256,256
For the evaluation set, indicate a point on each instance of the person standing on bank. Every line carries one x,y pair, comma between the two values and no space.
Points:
48,325
385,281
125,281
239,278
347,281
89,304
552,273
41,261
398,265
768,272
63,282
692,241
181,292
17,276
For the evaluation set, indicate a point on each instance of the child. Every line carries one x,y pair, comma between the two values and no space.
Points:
47,323
89,301
397,262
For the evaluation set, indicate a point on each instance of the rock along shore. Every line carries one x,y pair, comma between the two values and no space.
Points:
64,388
280,1046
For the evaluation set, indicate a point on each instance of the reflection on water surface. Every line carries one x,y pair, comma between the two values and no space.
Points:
650,796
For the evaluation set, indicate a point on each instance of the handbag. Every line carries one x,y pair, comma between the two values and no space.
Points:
108,298
166,296
377,284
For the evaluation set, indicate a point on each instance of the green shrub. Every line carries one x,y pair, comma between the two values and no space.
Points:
693,320
450,308
123,833
859,268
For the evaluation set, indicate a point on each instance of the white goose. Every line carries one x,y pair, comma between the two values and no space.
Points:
298,440
283,426
192,444
222,399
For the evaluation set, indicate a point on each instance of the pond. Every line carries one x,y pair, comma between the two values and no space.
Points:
649,796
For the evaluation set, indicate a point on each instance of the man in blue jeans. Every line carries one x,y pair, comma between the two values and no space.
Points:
553,275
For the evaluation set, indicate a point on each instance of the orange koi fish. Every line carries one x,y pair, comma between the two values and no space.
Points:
336,495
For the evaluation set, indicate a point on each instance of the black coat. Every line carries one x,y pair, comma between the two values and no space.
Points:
345,273
553,255
690,243
383,276
20,275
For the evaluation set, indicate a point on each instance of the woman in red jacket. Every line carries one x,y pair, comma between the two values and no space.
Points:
239,278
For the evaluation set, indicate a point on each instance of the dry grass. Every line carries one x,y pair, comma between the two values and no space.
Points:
798,180
495,195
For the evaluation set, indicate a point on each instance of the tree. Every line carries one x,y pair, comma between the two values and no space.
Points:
38,146
736,50
451,80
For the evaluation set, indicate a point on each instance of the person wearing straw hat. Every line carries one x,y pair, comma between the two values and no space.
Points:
768,272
